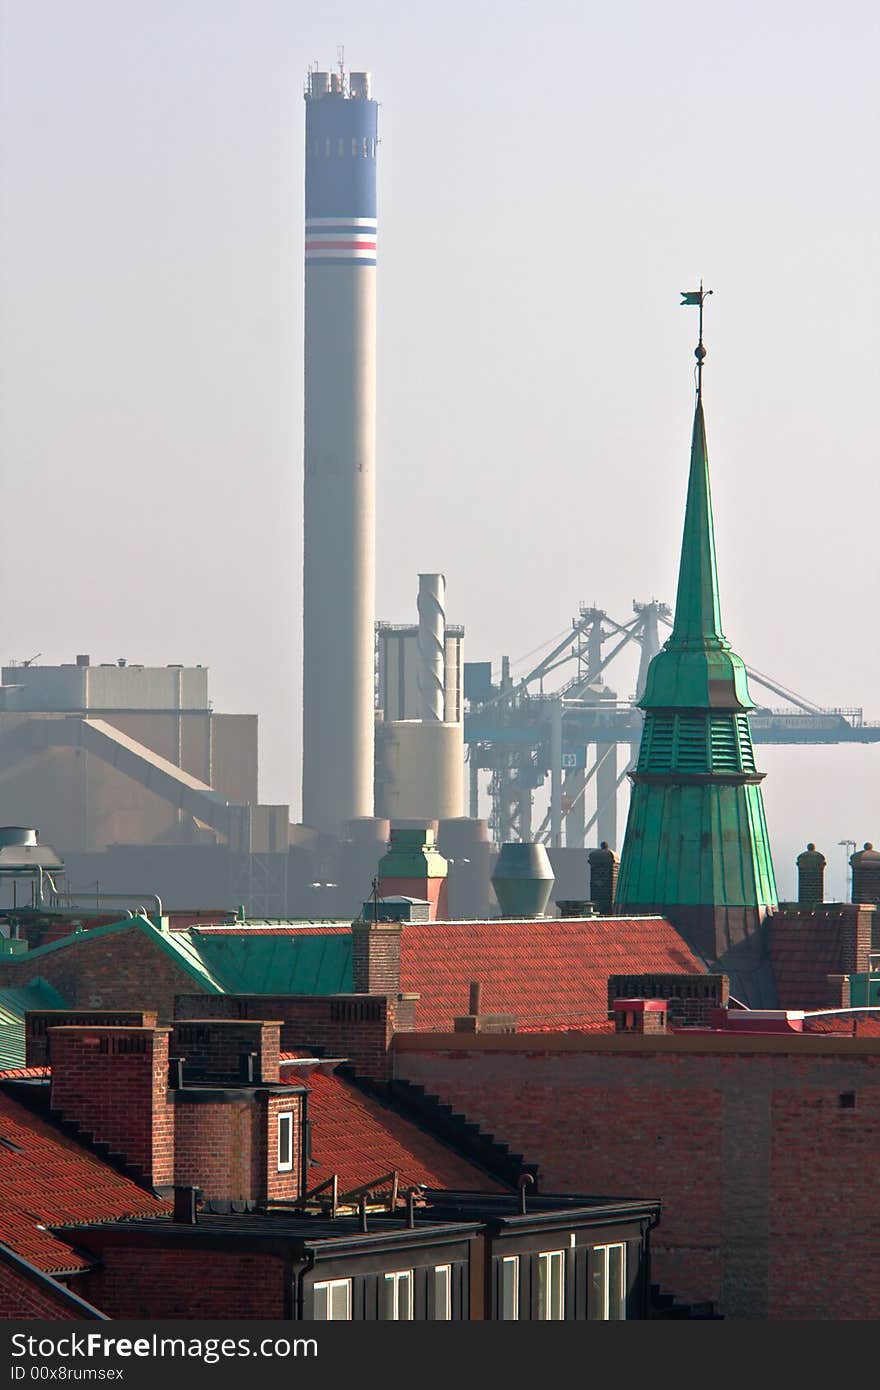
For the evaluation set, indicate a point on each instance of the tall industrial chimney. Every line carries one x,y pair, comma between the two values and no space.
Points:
340,450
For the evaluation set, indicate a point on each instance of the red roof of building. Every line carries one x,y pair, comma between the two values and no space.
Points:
360,1139
860,1025
47,1179
549,973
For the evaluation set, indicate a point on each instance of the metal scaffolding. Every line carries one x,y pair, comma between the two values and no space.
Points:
522,734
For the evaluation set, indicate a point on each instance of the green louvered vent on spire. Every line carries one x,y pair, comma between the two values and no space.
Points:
725,744
746,751
691,752
655,753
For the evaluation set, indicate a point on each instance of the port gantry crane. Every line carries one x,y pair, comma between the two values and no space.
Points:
521,734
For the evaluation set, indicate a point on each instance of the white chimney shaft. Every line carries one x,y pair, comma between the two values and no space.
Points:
432,641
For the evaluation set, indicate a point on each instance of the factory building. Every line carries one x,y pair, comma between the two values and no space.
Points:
419,729
137,782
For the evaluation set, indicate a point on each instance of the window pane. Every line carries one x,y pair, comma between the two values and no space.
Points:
387,1298
442,1293
404,1295
557,1284
510,1288
550,1285
616,1284
340,1300
321,1302
285,1142
598,1284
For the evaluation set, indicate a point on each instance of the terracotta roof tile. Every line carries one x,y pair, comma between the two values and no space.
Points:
549,974
359,1139
48,1179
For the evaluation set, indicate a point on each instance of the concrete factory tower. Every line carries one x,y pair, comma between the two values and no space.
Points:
340,450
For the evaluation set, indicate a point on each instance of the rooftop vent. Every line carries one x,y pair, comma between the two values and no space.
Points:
522,879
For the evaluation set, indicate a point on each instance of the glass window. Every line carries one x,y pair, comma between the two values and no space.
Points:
340,147
509,1293
396,1296
365,147
607,1294
442,1293
551,1285
333,1301
285,1141
327,147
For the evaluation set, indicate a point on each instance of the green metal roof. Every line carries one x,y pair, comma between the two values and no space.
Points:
16,1000
14,1003
236,962
412,854
696,667
292,963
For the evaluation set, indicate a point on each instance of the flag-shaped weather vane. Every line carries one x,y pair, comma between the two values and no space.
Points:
696,297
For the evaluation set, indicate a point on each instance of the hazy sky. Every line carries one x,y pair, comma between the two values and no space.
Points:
551,175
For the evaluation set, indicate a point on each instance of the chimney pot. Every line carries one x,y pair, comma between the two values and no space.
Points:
474,996
185,1205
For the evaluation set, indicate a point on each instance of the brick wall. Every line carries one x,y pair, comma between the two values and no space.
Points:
280,1187
689,998
806,946
112,1083
25,1294
124,970
375,957
141,1282
38,1021
763,1172
229,1148
217,1049
358,1027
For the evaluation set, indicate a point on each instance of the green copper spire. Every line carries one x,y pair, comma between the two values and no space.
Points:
696,845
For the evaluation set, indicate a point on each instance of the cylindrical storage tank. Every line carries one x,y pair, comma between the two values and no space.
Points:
464,841
522,879
811,876
339,457
432,656
419,770
364,830
17,835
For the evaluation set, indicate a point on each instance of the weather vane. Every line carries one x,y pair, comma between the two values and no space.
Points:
692,297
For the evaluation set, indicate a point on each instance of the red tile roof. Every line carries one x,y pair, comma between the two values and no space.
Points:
23,1073
360,1139
860,1025
47,1179
550,974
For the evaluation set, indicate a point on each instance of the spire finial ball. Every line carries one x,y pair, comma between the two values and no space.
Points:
700,352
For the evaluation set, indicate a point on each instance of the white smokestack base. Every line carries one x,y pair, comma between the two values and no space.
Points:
432,641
